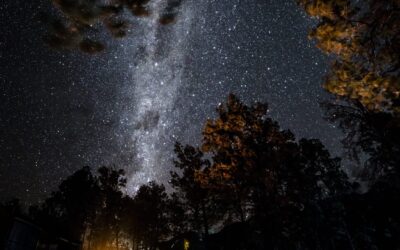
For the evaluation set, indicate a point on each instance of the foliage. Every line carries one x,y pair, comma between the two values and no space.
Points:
370,136
106,226
364,37
79,20
201,205
151,209
70,210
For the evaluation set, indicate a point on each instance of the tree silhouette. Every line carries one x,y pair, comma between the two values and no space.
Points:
177,219
364,37
151,203
72,208
86,208
106,229
374,136
200,204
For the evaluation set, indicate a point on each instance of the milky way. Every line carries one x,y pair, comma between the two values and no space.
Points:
127,106
155,82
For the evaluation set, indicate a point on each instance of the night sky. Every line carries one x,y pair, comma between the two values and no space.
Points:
61,110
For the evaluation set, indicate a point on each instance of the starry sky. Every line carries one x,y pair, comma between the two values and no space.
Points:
61,110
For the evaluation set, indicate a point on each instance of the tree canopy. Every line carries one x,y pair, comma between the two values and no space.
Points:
77,23
364,39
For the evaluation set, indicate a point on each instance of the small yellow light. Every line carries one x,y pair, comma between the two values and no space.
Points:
186,244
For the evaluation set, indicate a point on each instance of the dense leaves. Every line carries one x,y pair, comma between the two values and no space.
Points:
373,137
79,20
200,204
364,37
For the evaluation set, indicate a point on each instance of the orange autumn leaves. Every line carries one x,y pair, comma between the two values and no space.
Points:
235,139
364,38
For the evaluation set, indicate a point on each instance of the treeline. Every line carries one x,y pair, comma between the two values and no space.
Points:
251,181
